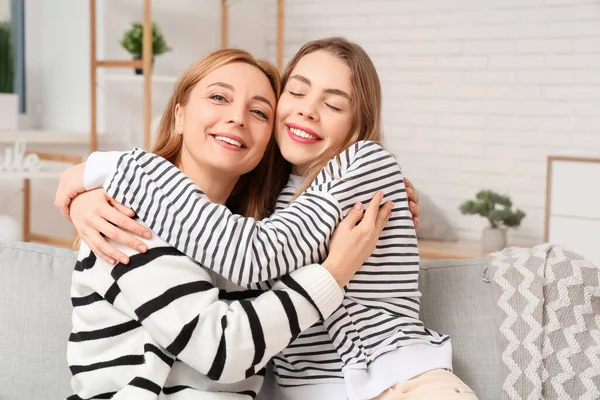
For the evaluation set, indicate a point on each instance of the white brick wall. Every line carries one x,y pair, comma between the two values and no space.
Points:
476,93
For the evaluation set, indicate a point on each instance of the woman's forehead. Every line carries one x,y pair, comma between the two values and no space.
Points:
323,69
239,77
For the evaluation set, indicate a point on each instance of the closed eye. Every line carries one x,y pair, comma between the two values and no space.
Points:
333,108
295,94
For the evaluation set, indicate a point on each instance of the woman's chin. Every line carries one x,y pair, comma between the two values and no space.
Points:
299,160
229,166
297,153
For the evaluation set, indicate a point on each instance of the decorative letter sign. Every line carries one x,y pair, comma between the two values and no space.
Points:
15,160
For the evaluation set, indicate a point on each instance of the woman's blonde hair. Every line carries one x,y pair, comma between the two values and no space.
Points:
366,99
254,194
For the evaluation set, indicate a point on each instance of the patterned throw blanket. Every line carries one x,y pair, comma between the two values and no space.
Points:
548,310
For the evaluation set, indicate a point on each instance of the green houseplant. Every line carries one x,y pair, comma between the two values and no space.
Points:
7,67
133,42
497,209
9,100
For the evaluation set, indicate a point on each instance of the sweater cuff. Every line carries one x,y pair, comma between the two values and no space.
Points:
99,167
321,287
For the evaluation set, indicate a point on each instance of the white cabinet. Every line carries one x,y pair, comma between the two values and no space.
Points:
573,205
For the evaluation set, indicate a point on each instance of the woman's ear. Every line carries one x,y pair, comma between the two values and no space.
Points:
179,116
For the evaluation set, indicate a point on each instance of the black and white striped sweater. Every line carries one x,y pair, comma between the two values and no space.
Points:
163,327
380,314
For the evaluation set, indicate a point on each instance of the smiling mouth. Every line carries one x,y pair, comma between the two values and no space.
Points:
230,141
302,134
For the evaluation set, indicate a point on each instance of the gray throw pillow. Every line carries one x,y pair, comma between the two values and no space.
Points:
434,225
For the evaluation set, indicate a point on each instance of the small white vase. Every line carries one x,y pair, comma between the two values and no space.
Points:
10,229
493,239
9,112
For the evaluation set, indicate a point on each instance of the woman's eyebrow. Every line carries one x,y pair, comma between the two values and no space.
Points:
230,87
264,100
302,79
338,92
223,84
307,81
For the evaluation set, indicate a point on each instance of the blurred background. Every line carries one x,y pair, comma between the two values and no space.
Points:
500,96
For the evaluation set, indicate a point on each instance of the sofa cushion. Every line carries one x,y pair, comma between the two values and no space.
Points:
456,301
434,224
35,310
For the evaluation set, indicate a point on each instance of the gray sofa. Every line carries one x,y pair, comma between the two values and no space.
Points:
35,320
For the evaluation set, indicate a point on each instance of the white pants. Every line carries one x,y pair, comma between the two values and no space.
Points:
437,384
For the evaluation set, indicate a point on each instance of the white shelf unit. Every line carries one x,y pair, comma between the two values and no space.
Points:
42,136
138,78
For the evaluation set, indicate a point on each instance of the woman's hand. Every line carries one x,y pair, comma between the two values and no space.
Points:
354,240
69,186
413,201
94,213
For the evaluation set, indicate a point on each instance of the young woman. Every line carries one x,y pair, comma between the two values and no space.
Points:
331,104
164,327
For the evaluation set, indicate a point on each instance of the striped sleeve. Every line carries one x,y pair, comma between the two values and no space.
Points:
366,168
391,272
243,250
178,305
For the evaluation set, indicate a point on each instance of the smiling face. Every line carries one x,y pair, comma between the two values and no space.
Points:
227,122
314,113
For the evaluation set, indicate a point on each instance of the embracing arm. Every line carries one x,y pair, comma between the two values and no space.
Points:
226,336
241,249
97,217
177,303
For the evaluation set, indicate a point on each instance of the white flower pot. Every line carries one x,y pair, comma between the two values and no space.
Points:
10,229
9,112
493,239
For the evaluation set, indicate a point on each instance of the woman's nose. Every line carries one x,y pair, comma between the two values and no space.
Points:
237,119
308,111
236,116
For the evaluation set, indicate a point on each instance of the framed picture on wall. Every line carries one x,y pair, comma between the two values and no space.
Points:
572,197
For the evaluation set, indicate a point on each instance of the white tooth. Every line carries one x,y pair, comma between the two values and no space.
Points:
228,140
303,134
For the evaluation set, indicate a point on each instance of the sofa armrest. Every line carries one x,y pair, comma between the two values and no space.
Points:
35,310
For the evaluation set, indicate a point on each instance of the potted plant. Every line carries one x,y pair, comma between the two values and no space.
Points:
133,42
9,101
497,209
